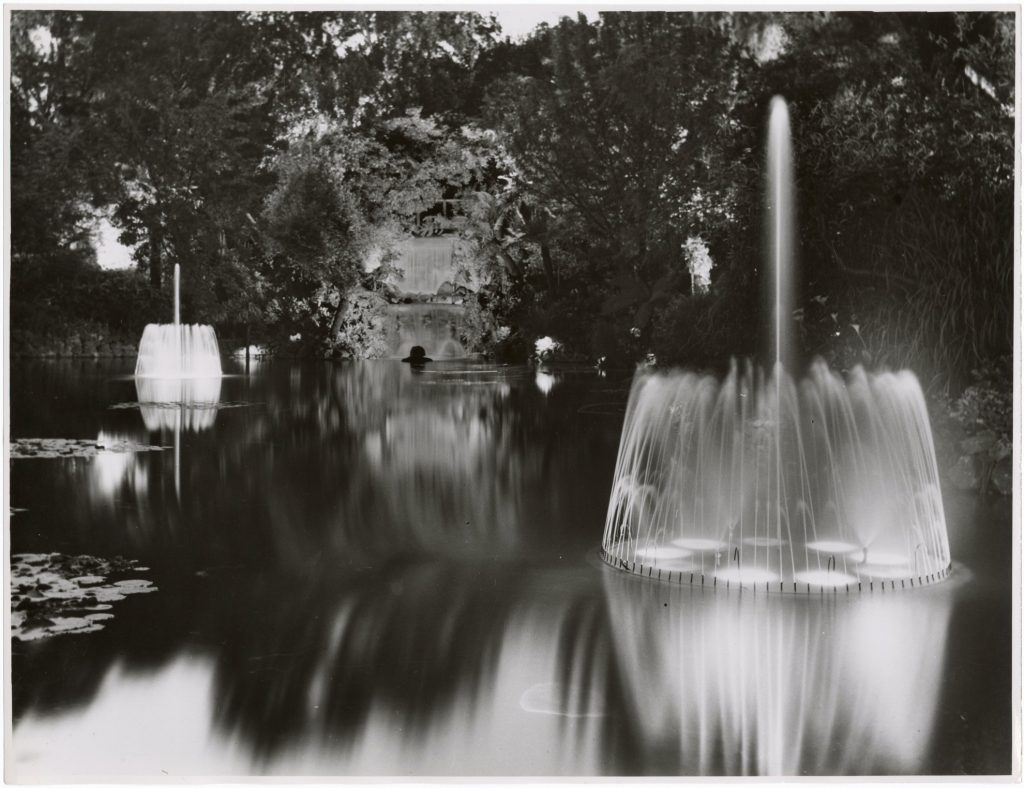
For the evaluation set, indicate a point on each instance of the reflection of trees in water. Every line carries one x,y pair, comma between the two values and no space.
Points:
361,465
412,468
412,641
423,646
62,673
46,395
743,684
370,465
353,465
646,679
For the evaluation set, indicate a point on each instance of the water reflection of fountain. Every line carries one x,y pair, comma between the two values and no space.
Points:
109,471
771,484
743,684
178,403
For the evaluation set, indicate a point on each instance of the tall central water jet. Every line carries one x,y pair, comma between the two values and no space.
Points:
176,350
763,482
780,220
779,211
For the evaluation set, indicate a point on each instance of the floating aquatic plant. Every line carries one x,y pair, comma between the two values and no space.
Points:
55,594
171,405
74,447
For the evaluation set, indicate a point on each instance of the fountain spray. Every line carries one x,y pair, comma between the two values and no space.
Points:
176,350
819,483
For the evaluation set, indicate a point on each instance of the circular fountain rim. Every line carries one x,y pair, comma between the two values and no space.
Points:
679,577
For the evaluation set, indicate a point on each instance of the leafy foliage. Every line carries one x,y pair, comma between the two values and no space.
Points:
273,153
49,213
56,294
318,240
614,143
906,180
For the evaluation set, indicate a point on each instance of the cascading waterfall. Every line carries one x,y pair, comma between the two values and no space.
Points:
177,350
426,264
761,481
435,316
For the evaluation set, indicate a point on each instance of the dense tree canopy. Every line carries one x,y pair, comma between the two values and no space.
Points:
906,174
594,164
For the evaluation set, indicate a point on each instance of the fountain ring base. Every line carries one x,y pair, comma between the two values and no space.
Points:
709,580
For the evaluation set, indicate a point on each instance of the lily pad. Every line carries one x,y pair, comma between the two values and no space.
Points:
88,580
49,448
100,616
55,594
135,586
172,405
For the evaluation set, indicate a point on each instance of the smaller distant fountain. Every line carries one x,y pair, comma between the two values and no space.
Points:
177,369
177,350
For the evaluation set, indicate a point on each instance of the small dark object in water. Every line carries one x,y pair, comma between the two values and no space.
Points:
417,356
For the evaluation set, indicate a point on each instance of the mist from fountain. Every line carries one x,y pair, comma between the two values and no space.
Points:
176,350
765,482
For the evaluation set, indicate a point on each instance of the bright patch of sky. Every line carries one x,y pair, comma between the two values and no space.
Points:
770,43
517,22
41,39
110,253
700,264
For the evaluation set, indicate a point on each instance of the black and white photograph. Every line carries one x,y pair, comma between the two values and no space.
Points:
525,392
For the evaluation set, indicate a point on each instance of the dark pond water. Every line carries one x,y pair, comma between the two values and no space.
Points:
369,569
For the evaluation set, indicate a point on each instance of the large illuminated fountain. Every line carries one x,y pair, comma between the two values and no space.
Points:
765,482
177,350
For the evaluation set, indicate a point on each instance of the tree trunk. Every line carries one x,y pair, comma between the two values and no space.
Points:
549,268
511,266
339,317
156,242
